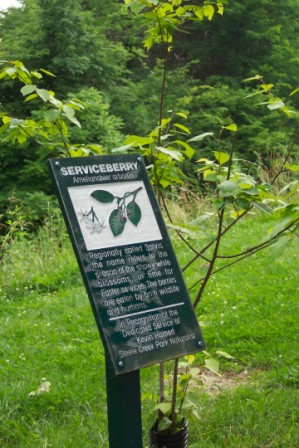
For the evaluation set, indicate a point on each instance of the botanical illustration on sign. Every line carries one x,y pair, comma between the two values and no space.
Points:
124,210
91,220
114,213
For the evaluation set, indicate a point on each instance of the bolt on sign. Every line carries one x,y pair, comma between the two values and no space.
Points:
136,289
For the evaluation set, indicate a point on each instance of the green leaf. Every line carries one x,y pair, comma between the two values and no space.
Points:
242,204
69,111
70,114
199,12
219,204
136,141
293,168
224,354
165,408
31,97
26,90
260,92
201,137
97,149
205,160
228,188
43,94
15,122
294,91
231,127
6,119
209,11
36,74
4,127
253,78
11,71
74,120
252,191
212,364
279,246
203,217
182,229
117,222
47,72
182,127
276,105
221,157
267,87
51,114
189,151
262,207
210,176
184,378
164,424
123,148
133,212
181,114
177,155
165,121
102,196
220,8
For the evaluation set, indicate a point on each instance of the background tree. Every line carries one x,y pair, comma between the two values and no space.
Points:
98,45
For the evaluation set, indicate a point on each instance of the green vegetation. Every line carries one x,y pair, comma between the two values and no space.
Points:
103,62
48,334
242,159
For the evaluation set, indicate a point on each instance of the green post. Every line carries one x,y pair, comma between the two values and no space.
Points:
124,408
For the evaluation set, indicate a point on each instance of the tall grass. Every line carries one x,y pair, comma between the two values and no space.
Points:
42,260
49,335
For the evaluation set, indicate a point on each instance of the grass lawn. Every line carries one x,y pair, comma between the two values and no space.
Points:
49,339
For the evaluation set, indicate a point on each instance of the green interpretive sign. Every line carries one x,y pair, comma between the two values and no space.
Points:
132,277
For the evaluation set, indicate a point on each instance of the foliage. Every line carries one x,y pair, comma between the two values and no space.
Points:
237,188
236,192
70,41
47,128
51,130
207,62
47,329
97,123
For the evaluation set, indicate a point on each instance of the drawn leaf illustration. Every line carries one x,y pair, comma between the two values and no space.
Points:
102,196
117,222
134,212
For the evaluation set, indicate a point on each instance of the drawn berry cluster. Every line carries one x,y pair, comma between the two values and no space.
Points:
91,220
124,210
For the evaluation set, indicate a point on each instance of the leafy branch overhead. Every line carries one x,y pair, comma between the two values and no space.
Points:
51,130
163,18
124,210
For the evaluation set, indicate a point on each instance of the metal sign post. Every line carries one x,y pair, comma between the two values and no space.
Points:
124,408
131,274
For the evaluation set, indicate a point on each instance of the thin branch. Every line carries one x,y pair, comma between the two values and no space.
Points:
248,253
232,150
161,382
174,393
222,231
227,265
213,260
281,170
177,231
59,127
211,243
163,86
218,238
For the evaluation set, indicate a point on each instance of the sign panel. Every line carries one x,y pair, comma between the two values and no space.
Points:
129,268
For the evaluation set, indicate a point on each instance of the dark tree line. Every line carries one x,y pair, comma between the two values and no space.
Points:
95,49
